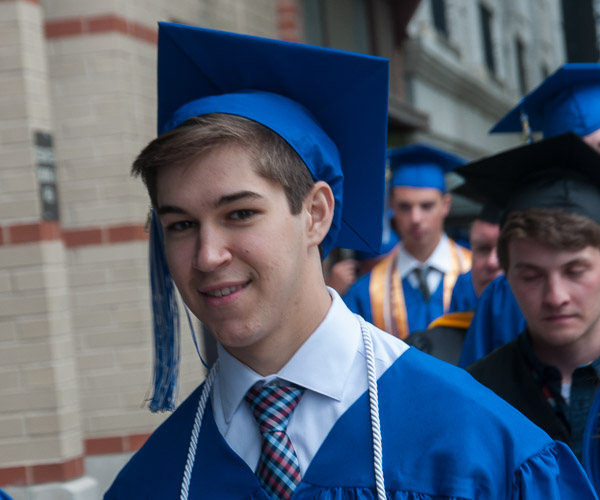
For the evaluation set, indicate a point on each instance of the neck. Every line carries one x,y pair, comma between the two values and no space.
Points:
567,358
305,313
422,252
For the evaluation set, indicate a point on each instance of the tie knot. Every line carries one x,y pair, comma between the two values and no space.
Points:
422,272
272,406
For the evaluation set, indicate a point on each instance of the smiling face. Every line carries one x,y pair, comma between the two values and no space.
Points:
559,294
244,265
419,215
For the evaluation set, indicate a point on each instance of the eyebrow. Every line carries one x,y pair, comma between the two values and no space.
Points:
526,265
224,200
578,261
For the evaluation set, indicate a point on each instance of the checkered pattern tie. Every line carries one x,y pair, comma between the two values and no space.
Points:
278,470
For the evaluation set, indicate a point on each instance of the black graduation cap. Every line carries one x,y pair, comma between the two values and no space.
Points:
561,173
489,210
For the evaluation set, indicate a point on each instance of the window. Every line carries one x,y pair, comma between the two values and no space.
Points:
438,8
521,75
342,24
545,71
486,31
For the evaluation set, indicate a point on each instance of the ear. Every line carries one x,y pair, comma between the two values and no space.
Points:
319,205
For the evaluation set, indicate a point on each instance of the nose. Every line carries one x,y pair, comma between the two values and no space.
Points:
555,293
416,215
492,261
211,251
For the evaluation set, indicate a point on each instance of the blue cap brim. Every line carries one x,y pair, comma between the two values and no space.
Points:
566,101
422,166
346,93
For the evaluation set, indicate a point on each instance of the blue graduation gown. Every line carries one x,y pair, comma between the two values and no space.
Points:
444,437
464,297
419,312
591,444
497,320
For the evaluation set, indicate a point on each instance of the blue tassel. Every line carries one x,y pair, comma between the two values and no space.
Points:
166,324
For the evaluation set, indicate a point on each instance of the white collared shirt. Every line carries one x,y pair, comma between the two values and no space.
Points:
331,367
439,262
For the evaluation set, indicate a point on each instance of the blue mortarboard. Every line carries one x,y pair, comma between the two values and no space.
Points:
329,105
422,166
567,101
333,93
389,239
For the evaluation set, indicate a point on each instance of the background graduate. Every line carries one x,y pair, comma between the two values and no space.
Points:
549,248
413,285
566,101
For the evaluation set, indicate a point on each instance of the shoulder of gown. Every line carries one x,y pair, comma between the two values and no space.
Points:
497,320
444,437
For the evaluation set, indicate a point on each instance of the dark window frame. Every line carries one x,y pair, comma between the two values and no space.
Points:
440,18
486,17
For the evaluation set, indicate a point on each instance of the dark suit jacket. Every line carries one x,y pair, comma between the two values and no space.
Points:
506,372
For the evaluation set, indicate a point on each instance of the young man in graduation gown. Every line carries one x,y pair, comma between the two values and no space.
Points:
549,248
444,337
483,239
306,400
413,285
566,101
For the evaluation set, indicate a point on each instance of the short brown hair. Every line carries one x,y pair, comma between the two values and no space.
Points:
271,155
560,229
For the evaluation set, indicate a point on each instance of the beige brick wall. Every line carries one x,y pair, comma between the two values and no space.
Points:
103,90
39,389
39,415
75,322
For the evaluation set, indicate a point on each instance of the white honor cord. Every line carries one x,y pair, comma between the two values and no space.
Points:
191,456
373,408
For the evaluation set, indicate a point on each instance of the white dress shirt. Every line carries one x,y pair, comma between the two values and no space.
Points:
439,263
330,365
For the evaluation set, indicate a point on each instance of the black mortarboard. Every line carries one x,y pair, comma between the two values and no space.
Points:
489,210
561,173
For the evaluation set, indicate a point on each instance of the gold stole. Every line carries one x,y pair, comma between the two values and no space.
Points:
388,308
459,320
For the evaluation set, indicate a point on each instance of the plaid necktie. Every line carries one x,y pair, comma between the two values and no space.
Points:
278,470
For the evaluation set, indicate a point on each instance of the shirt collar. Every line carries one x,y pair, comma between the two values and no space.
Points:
543,371
437,260
321,364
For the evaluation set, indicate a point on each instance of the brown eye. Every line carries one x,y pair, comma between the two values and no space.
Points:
242,214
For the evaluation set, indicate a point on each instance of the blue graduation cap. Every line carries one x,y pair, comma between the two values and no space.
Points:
303,93
422,166
329,105
566,101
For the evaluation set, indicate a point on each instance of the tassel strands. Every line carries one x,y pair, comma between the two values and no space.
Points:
166,324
